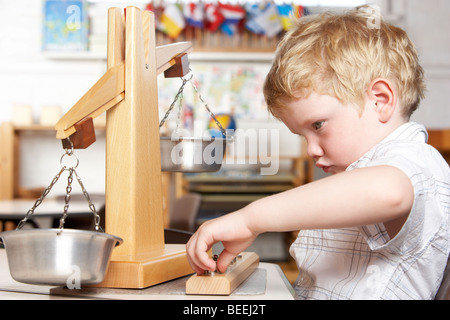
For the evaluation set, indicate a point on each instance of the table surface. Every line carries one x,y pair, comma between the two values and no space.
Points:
276,288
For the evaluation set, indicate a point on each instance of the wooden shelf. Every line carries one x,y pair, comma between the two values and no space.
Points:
239,188
248,178
75,55
196,56
205,40
33,127
260,57
38,127
231,198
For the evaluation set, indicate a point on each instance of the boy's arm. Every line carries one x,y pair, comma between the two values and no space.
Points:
354,198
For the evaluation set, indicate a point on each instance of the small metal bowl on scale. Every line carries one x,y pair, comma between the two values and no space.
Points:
190,154
184,153
59,257
52,257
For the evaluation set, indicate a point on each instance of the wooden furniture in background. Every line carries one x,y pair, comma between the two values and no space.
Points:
440,139
11,137
208,41
8,149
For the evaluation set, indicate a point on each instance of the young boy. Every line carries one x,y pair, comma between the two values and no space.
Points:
378,227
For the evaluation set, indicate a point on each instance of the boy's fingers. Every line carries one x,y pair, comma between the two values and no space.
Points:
206,262
224,260
198,257
200,268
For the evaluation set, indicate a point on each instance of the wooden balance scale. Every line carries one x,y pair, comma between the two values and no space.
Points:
128,93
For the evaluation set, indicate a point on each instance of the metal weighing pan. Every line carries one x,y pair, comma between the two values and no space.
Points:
55,257
189,154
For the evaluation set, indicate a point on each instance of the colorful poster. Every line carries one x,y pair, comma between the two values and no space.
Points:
65,26
226,88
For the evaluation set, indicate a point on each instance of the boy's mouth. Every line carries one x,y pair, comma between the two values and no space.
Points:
326,169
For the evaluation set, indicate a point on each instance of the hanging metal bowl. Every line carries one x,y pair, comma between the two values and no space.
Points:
58,257
190,154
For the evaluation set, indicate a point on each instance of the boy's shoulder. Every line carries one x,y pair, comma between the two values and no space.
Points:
407,149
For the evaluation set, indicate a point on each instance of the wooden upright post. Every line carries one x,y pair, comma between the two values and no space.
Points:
133,167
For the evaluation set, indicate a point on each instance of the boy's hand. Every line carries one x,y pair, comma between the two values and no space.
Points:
235,235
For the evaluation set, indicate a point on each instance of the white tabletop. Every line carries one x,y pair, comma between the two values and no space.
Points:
276,288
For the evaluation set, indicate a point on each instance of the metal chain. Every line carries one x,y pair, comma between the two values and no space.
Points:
66,200
177,96
91,205
180,93
39,201
68,152
180,105
212,115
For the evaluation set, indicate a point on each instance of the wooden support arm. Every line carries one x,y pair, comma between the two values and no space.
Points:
109,90
105,93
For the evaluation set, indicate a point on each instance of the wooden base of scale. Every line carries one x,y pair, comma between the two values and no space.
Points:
139,274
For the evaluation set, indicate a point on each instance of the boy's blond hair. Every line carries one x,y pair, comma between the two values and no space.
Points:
340,55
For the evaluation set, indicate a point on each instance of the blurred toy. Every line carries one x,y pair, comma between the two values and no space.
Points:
226,120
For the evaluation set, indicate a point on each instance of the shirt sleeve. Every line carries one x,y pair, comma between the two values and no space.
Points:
422,222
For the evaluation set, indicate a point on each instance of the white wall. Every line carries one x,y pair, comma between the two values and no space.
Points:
427,23
29,77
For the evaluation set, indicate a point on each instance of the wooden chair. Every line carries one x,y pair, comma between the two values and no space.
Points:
184,212
444,290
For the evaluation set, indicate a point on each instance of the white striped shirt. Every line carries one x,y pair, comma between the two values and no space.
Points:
363,262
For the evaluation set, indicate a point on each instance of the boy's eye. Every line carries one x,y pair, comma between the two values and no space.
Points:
317,125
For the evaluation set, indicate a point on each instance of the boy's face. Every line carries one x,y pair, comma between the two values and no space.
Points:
336,134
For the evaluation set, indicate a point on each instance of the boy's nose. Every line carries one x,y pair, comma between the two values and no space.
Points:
314,150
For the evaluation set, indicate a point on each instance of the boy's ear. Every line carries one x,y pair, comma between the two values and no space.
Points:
382,96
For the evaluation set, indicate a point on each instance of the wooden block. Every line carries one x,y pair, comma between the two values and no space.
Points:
224,283
165,54
180,68
49,115
84,135
22,115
